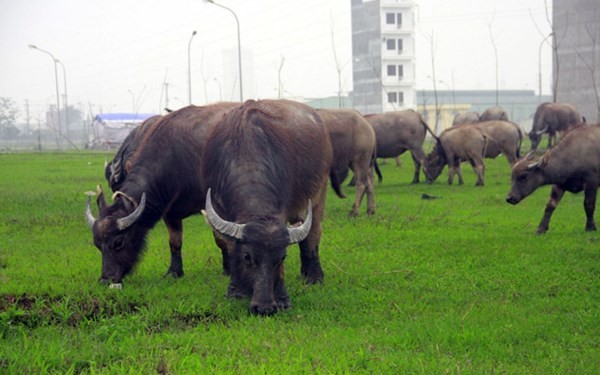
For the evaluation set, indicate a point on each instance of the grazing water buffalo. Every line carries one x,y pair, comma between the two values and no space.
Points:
572,165
116,169
353,144
162,181
552,118
503,138
399,131
465,118
454,145
266,165
494,113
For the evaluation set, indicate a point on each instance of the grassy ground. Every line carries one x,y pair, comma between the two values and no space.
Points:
457,284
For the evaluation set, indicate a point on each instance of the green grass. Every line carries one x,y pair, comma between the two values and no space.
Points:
458,284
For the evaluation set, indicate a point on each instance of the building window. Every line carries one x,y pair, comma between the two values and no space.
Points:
396,97
400,72
391,44
392,97
400,46
390,18
399,20
391,70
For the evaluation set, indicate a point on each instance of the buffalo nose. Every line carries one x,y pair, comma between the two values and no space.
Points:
263,309
511,200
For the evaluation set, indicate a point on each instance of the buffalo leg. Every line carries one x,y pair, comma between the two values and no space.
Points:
361,167
589,204
479,169
309,247
175,229
418,156
555,196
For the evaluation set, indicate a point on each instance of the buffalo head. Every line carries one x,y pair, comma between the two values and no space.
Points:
434,163
115,234
527,176
258,250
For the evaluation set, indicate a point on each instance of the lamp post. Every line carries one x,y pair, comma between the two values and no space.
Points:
219,86
237,21
132,100
190,68
57,93
66,105
540,67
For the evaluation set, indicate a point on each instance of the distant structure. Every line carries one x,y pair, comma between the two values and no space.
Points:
383,55
520,105
577,37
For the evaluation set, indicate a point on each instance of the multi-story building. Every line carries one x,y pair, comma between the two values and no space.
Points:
576,29
383,55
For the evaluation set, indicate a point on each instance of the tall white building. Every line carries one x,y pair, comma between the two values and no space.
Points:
383,55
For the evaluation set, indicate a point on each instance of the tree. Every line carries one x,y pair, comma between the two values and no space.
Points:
8,113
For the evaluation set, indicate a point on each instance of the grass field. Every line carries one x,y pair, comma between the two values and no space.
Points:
458,284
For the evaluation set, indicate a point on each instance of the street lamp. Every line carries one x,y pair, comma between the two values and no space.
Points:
132,100
540,66
66,105
57,93
190,69
237,21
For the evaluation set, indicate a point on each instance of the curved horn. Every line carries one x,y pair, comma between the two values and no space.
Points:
220,225
125,222
541,131
300,233
89,217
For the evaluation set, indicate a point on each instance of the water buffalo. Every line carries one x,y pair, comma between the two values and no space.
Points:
399,131
162,181
494,113
503,138
465,118
353,144
572,165
454,145
552,118
116,169
266,165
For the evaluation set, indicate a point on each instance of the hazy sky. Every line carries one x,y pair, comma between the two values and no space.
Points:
119,53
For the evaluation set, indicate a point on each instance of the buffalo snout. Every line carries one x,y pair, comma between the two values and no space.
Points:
264,309
512,199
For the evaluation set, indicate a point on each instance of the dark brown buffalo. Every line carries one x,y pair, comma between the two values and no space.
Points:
494,113
462,118
162,181
399,131
572,165
552,118
353,144
503,138
266,165
116,169
454,145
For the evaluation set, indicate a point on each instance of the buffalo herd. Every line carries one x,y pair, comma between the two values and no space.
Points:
259,172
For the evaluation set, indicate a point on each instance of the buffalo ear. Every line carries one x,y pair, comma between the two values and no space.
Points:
100,200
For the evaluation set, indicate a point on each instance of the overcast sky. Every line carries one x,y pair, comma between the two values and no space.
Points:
118,54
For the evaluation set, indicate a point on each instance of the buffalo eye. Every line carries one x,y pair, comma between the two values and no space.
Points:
118,244
247,259
522,177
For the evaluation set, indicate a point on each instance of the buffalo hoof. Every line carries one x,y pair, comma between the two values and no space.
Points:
541,230
353,213
174,274
590,228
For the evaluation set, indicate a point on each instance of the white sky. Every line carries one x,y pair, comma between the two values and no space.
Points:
120,52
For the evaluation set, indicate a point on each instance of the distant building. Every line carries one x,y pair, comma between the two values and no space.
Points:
576,25
520,105
383,55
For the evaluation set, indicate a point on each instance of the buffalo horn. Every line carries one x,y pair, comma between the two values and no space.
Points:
222,226
300,233
88,211
125,222
542,131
